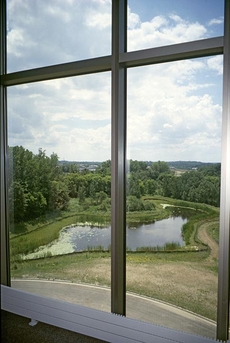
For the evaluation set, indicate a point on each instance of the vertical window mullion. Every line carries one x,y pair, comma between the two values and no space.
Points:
224,241
118,220
5,275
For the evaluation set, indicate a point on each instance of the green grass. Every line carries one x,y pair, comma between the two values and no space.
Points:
214,231
56,266
85,268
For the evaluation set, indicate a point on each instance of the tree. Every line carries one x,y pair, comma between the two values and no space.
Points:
31,184
150,186
17,202
59,197
36,205
133,204
133,186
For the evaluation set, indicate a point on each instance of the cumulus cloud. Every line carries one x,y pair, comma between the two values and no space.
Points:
166,110
59,32
216,63
67,115
163,30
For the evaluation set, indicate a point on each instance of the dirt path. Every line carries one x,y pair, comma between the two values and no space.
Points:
204,237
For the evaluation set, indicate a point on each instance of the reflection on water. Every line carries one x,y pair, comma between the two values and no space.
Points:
79,238
153,234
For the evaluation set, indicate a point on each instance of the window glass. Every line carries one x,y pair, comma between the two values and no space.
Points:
165,22
173,193
59,188
50,32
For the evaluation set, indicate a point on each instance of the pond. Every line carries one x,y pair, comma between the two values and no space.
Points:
77,238
144,235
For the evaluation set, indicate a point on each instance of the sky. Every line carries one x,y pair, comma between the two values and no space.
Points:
173,109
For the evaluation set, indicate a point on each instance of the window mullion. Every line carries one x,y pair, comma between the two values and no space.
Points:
224,241
5,275
118,221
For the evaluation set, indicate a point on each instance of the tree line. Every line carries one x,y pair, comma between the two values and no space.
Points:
38,184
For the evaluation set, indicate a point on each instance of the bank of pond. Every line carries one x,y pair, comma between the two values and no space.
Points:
172,227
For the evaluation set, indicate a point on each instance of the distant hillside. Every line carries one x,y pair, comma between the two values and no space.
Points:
189,165
185,165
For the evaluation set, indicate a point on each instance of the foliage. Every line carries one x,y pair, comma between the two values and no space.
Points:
34,184
134,204
39,184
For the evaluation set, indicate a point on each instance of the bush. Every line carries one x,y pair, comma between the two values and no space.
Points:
148,205
134,204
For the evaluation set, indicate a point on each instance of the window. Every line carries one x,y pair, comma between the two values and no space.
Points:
56,32
170,22
59,142
174,115
58,99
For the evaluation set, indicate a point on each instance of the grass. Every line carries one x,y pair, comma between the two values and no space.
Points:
214,232
169,246
182,279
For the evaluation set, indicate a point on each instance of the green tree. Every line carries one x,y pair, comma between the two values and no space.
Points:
133,186
17,202
36,205
150,186
133,204
59,197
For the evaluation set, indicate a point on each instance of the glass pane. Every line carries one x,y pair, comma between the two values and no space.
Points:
49,32
165,22
59,188
173,186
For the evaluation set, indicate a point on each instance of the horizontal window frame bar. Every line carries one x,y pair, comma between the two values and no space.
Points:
170,53
84,67
104,326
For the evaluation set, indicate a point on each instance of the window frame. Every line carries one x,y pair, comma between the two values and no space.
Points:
117,63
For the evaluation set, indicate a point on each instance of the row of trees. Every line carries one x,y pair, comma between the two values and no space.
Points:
39,184
200,185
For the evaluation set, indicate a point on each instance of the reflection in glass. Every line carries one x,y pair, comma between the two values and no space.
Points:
174,143
51,32
166,22
59,181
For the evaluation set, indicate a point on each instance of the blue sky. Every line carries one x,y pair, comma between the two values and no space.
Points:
201,11
174,109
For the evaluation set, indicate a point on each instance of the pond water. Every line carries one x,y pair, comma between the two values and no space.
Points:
79,238
144,235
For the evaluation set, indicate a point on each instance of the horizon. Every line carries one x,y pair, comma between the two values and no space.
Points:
186,161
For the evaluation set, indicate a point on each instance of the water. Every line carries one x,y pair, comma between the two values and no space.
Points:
145,235
79,238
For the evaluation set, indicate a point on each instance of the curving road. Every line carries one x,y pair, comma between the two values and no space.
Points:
138,307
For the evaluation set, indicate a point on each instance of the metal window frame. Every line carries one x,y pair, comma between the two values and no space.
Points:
118,62
118,160
5,256
224,237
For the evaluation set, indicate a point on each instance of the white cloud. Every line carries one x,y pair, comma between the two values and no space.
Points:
163,30
216,21
133,20
165,115
98,20
62,31
216,63
67,116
